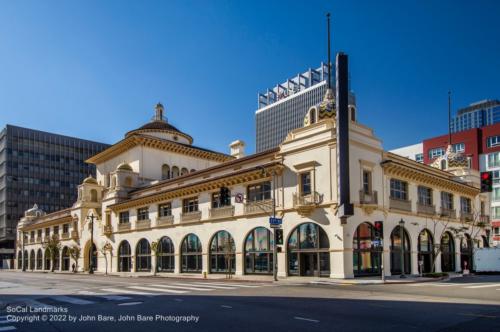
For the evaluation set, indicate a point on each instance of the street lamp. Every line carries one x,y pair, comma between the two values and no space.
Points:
401,236
91,221
22,254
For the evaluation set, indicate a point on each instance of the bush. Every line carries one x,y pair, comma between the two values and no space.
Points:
435,275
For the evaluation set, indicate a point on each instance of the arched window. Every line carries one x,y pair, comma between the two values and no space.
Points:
192,170
25,260
165,172
466,252
353,113
65,259
425,251
191,254
124,257
32,259
308,251
93,195
184,170
39,259
312,115
57,260
175,172
166,256
93,254
19,260
143,256
447,253
222,251
113,181
443,164
396,251
47,260
259,251
366,256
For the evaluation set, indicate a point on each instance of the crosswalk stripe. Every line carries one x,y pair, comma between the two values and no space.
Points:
424,284
201,284
126,291
105,296
184,287
36,304
5,322
7,328
231,284
72,300
483,286
159,289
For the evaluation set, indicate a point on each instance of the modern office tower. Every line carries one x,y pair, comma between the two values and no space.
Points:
38,168
282,108
476,115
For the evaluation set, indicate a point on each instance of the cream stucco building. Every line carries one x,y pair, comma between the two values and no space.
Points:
157,201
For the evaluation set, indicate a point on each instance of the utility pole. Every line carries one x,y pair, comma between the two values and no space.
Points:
91,257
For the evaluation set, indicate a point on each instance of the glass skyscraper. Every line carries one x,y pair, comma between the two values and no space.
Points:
41,168
476,115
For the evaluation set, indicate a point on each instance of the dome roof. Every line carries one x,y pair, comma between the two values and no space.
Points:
124,167
324,110
453,160
90,180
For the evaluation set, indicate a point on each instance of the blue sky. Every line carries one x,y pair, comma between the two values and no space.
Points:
95,69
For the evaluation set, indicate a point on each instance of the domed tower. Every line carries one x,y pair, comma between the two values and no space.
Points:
159,127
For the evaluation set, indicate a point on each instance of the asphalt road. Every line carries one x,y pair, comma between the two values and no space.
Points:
159,304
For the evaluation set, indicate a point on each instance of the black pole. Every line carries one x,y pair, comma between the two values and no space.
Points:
449,117
22,254
329,83
91,265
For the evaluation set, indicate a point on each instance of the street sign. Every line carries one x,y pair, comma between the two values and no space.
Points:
275,222
238,198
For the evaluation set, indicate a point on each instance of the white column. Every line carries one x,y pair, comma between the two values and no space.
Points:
177,263
238,261
282,264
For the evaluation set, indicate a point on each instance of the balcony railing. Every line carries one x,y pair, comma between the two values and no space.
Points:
485,219
191,216
399,204
259,206
369,198
165,220
449,213
142,224
466,216
124,226
312,199
74,235
56,236
32,240
426,209
107,230
65,236
221,212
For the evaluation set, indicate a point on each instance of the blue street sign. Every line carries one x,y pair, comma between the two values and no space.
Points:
275,221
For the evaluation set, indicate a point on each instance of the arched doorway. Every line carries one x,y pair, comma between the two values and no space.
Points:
32,259
447,253
222,251
19,260
143,256
39,259
308,251
486,244
366,256
466,252
57,259
259,251
166,256
191,250
124,257
396,251
25,260
90,252
425,251
47,259
65,259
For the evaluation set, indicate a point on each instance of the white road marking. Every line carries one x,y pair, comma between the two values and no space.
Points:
159,289
105,296
207,285
7,328
306,319
179,300
183,287
433,284
36,304
126,291
72,300
226,306
235,285
483,286
130,303
5,322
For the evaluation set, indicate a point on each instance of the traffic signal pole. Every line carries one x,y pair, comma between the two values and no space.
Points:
275,246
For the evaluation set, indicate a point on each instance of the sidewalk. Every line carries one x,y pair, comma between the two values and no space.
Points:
412,279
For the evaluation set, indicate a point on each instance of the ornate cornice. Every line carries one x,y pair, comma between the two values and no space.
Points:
59,217
156,143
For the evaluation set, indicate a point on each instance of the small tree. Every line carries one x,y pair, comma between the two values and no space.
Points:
54,247
105,248
155,248
75,252
228,255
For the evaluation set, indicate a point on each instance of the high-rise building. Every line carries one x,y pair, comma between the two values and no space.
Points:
282,108
476,115
41,168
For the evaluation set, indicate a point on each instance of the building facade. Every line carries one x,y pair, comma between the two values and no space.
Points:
159,203
476,115
38,167
282,108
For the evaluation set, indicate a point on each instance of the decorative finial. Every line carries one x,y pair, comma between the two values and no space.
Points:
159,112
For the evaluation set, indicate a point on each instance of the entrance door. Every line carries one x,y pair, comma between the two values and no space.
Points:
309,263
